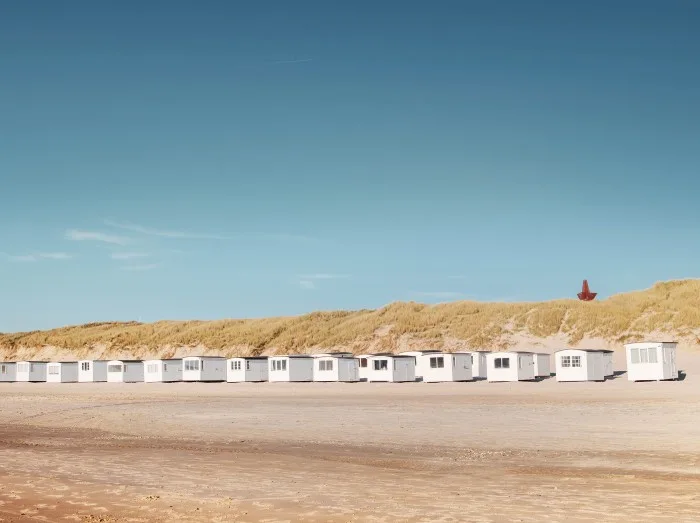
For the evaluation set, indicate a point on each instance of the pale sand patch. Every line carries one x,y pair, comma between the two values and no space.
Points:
485,452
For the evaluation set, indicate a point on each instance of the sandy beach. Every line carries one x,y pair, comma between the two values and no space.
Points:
481,452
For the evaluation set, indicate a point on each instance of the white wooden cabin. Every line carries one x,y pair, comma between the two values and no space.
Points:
608,363
124,371
418,360
8,371
293,367
336,366
651,361
62,372
239,370
543,367
162,371
579,365
92,371
479,363
363,366
392,368
438,366
510,366
34,371
204,368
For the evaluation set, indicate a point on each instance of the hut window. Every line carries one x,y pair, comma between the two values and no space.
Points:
381,365
325,365
363,363
53,369
152,368
235,365
3,369
279,365
643,357
191,364
652,355
575,361
634,356
165,367
114,368
23,367
437,362
85,365
247,365
502,363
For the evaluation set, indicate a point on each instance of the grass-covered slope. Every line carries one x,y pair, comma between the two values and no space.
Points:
668,309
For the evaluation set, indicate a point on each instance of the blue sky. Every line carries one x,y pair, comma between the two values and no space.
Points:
197,160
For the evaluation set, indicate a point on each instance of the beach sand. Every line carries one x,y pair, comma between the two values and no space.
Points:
480,452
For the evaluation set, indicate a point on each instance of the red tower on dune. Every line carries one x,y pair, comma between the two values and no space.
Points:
586,294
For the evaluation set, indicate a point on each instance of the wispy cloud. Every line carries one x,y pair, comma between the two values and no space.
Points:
164,233
324,276
55,255
192,235
146,267
297,61
441,294
307,284
128,255
37,257
78,235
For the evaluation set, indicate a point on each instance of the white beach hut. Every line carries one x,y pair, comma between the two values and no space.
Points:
124,371
247,369
439,366
363,367
8,371
62,372
479,364
336,366
34,371
391,368
418,360
204,368
92,371
608,363
162,371
579,365
510,366
293,367
651,361
543,368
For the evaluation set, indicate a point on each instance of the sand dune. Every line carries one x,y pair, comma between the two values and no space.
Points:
667,310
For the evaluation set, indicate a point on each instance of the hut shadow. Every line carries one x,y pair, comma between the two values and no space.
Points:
681,375
616,374
542,378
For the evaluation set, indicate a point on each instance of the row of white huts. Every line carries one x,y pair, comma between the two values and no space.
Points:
645,361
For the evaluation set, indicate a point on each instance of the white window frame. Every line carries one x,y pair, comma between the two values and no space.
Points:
576,361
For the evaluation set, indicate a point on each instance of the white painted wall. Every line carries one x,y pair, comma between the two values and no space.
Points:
294,368
392,368
162,371
8,371
363,366
239,370
439,367
479,363
34,371
62,372
92,371
203,368
543,368
334,368
124,371
651,361
521,366
579,365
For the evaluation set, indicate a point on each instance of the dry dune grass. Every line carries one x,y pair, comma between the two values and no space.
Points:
668,307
